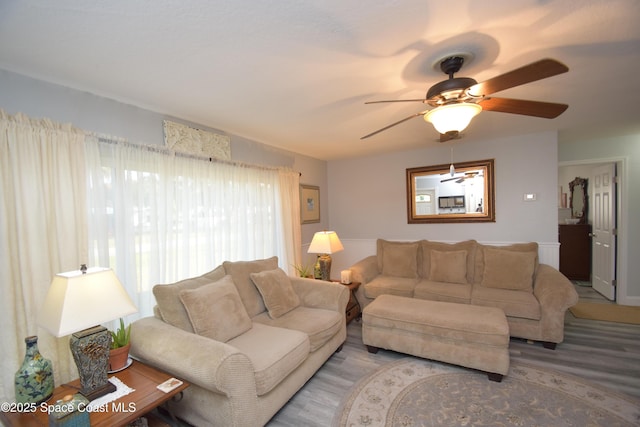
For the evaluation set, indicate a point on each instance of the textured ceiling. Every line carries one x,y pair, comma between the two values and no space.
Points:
295,73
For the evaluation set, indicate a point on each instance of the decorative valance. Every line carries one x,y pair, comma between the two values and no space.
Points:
188,140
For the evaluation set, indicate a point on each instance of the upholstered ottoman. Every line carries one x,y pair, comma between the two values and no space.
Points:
467,335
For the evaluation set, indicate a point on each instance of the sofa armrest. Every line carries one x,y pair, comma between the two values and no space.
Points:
321,294
556,294
365,270
210,364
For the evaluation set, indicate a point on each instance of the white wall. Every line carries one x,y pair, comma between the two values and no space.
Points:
367,196
624,150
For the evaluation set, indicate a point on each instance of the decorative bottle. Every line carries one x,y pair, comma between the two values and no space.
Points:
34,379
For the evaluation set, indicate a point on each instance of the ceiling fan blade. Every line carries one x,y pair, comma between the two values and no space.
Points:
547,110
450,179
529,73
394,124
397,100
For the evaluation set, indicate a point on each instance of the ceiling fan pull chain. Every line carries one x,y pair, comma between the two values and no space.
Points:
452,170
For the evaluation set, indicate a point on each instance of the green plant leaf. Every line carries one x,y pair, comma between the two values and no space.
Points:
121,336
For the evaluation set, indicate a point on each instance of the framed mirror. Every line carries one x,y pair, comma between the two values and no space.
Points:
434,195
578,199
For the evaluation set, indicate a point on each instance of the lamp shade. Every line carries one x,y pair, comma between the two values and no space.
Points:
77,300
452,117
325,242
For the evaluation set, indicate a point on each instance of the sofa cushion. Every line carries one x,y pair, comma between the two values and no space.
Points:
507,269
392,285
448,266
240,271
443,291
276,290
319,324
428,246
167,296
399,259
216,311
272,363
520,304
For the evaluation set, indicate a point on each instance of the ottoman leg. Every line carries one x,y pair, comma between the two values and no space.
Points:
495,377
549,345
372,349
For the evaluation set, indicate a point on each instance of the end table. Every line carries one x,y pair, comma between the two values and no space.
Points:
353,310
145,397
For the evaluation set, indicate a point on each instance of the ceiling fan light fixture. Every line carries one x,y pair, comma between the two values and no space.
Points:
452,117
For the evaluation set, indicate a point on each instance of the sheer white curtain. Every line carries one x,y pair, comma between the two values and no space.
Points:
67,199
43,231
157,218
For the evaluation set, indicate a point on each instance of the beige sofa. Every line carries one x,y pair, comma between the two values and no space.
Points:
245,336
533,296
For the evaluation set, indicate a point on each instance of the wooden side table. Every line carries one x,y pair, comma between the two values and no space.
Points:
145,397
354,310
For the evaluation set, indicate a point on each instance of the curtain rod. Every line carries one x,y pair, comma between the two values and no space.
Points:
166,151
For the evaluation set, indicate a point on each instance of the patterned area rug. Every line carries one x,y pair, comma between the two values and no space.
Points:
416,392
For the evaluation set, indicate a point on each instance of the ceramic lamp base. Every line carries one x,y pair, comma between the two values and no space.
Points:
324,267
90,349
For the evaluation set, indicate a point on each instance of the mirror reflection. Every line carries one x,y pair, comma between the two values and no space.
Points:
578,201
441,194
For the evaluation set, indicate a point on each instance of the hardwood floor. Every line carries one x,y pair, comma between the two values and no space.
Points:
603,352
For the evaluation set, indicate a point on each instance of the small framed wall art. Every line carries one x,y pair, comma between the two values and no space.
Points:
309,204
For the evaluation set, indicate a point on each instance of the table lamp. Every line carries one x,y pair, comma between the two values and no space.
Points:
77,303
324,243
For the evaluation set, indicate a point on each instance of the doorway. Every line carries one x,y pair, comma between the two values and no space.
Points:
603,216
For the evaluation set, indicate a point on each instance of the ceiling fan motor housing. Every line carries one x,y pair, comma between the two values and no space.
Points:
456,85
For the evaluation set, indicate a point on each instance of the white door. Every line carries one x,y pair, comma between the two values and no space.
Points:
425,202
604,235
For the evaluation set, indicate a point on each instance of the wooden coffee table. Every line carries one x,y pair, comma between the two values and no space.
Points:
146,397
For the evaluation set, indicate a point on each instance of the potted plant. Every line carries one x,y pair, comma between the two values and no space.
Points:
119,352
304,270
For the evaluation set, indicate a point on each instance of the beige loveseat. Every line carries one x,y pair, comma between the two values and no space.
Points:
533,296
245,336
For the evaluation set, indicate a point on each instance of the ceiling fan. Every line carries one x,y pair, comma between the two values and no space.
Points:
457,100
460,179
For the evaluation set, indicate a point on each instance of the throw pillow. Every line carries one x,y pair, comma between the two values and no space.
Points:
449,266
515,247
507,269
240,271
168,298
427,246
398,259
277,292
216,310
